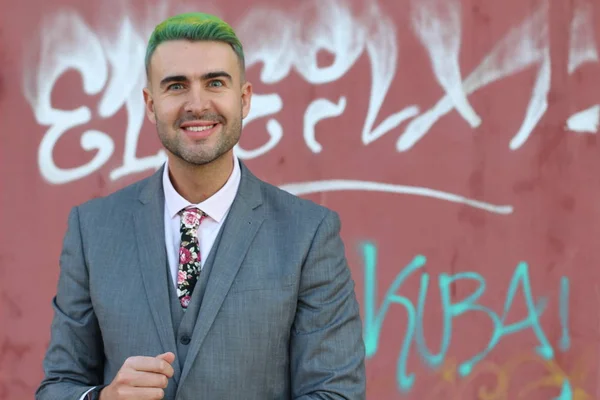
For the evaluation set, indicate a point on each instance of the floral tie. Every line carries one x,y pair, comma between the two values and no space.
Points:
189,254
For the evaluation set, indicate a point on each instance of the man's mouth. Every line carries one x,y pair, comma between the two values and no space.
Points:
199,128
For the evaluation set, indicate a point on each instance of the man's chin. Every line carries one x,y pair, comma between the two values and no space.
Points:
199,160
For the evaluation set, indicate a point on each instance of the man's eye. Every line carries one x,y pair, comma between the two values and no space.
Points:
216,83
175,86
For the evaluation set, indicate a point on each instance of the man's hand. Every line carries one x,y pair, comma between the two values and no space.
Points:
141,378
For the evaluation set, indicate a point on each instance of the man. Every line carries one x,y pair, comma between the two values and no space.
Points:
202,281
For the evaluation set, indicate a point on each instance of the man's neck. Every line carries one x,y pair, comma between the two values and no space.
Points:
196,183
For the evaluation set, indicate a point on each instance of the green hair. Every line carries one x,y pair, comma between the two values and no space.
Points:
194,27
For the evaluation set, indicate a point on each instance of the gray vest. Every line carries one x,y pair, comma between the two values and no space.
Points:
185,321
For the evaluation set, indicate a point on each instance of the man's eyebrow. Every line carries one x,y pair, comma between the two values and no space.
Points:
217,74
173,78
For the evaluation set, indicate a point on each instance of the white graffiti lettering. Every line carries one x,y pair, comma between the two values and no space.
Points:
318,110
523,46
438,24
282,42
67,42
582,47
585,121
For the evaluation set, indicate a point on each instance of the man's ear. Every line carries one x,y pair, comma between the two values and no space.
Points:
246,98
149,101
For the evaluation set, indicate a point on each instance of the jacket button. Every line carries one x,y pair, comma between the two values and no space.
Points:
185,340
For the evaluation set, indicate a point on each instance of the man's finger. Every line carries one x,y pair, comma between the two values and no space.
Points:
147,380
150,364
168,357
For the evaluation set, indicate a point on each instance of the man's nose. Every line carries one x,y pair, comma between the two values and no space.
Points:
197,101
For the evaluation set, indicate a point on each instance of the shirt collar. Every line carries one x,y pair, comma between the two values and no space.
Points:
215,207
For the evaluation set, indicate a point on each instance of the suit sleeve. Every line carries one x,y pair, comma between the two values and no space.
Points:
327,352
73,362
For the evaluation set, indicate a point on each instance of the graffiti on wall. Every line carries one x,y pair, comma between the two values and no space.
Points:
568,383
414,335
286,40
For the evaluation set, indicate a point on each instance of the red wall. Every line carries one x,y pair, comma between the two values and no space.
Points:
457,140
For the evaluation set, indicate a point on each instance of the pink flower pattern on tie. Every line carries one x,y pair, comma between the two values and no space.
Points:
189,254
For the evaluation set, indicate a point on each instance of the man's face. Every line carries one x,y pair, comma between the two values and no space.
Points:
196,99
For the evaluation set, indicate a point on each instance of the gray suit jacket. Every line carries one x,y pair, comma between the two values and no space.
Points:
279,318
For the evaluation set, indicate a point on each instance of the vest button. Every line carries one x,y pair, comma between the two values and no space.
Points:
185,340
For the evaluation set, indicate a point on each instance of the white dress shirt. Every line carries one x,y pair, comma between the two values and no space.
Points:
215,207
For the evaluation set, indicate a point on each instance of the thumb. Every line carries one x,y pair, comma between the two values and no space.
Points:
168,357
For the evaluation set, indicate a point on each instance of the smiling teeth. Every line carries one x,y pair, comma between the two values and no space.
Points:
198,128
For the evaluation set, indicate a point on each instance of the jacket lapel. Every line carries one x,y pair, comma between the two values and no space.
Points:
240,227
150,238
